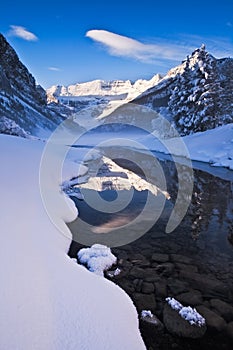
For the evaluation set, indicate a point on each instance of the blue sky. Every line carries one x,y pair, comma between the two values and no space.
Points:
65,42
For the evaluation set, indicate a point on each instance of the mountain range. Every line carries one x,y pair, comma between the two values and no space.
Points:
194,96
116,89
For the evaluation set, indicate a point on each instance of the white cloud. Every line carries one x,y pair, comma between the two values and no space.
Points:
119,45
54,69
162,50
22,33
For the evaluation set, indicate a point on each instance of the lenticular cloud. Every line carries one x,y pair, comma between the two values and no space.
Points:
119,45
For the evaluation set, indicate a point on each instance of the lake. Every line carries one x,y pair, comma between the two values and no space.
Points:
193,263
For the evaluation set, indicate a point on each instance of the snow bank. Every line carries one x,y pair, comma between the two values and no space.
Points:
98,258
47,301
188,313
212,146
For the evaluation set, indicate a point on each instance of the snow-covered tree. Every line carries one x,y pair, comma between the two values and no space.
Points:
196,103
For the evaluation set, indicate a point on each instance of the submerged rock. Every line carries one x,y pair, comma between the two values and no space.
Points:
223,309
229,330
214,322
192,298
177,325
151,321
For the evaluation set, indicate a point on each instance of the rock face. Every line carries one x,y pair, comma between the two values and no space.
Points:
23,104
197,94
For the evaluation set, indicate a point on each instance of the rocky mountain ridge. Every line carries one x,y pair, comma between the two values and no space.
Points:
23,103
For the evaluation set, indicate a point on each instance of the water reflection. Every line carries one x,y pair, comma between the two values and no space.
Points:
209,217
210,214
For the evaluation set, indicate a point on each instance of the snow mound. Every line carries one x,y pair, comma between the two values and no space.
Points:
98,258
47,301
187,312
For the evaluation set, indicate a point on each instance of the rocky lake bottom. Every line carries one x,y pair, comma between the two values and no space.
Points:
159,266
193,264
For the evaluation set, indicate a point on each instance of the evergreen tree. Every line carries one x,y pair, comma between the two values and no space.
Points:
197,101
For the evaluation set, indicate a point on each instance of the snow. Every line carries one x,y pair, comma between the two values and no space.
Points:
95,100
212,146
146,313
114,273
98,258
47,301
102,88
187,312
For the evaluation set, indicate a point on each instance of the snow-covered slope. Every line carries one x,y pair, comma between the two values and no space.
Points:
212,146
196,95
47,301
23,104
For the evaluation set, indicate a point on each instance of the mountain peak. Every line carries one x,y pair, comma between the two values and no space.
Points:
196,95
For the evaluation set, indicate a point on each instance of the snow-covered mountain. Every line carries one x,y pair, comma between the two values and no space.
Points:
196,95
23,104
116,89
91,103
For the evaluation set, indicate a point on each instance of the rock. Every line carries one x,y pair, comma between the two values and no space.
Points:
126,285
120,254
177,325
124,263
209,287
161,258
229,330
176,286
138,256
150,275
159,307
187,268
214,322
223,309
147,288
191,298
142,263
144,301
139,259
160,289
165,269
138,285
136,272
153,323
181,259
